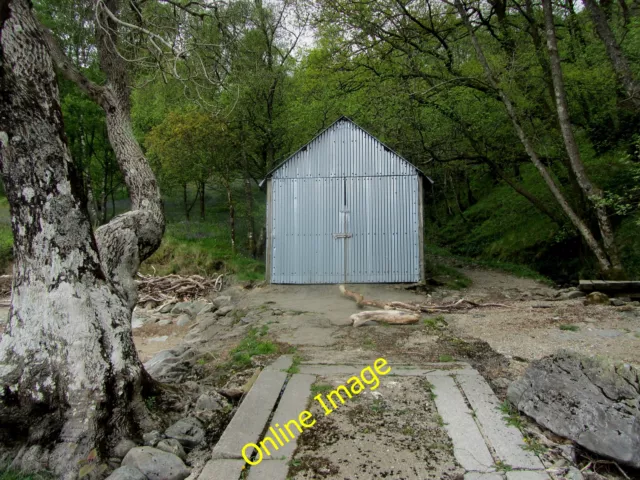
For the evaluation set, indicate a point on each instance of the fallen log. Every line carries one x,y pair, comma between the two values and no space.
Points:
395,317
458,306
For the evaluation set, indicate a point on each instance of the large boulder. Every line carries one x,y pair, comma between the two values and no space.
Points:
171,365
588,400
156,464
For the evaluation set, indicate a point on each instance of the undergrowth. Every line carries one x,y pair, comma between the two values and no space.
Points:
253,344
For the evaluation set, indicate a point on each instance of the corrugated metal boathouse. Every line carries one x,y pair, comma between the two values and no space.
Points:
345,209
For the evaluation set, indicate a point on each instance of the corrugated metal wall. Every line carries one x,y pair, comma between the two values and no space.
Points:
345,210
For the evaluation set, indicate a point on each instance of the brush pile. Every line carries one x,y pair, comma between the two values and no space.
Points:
175,288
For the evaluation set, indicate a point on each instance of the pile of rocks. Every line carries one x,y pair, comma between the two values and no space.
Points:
163,454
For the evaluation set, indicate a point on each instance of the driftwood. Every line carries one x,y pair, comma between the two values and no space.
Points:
395,317
175,288
458,306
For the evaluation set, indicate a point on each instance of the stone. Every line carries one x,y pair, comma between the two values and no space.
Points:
573,474
156,464
161,339
188,431
570,295
502,382
151,439
596,298
123,447
222,311
617,302
206,320
198,306
222,300
184,307
183,320
171,365
163,322
212,401
127,473
166,308
208,308
172,445
588,400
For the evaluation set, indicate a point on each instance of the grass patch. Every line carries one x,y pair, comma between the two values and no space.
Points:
317,388
569,328
295,364
446,358
253,344
433,323
511,415
6,474
6,247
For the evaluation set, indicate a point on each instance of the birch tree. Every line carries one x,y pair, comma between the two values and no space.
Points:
69,370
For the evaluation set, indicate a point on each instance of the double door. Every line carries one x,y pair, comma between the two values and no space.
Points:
345,230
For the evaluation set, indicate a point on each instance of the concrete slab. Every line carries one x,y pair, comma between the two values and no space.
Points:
269,470
330,369
222,470
469,447
527,475
506,440
283,362
294,400
249,421
482,476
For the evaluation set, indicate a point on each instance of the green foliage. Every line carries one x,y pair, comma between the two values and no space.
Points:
6,474
511,415
446,358
317,388
569,328
252,344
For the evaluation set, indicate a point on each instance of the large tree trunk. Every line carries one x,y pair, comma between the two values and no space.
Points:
69,372
614,52
591,192
580,225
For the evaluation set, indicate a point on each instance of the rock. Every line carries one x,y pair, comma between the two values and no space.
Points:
163,338
209,308
164,322
171,365
222,311
222,300
502,382
207,320
211,401
596,298
151,439
188,431
166,308
156,464
617,302
30,459
588,400
123,447
184,307
198,306
150,305
573,474
183,320
570,295
172,445
126,473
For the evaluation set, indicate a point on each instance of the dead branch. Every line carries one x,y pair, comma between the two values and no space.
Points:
461,305
395,317
175,288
